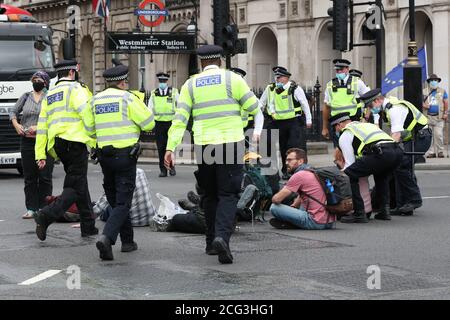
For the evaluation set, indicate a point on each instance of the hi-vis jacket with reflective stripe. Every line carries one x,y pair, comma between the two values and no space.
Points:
414,118
343,98
164,106
366,133
215,99
64,114
118,118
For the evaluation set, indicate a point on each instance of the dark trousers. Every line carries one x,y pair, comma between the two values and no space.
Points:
406,186
38,183
119,182
74,157
289,137
222,184
161,131
380,165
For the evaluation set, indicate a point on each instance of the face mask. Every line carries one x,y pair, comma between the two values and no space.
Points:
38,86
163,86
434,84
376,110
341,76
279,85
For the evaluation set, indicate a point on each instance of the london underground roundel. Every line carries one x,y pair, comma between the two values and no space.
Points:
160,12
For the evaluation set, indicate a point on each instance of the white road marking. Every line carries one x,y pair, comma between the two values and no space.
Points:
2,220
40,277
437,197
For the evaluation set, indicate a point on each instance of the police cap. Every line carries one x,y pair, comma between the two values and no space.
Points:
210,52
338,118
370,96
341,63
66,65
116,73
281,71
163,76
239,71
355,73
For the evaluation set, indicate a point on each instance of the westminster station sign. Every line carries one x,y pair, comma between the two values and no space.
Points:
129,42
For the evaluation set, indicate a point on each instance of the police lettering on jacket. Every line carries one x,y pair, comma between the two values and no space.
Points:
208,81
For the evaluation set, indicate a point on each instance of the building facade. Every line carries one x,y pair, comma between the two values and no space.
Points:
290,33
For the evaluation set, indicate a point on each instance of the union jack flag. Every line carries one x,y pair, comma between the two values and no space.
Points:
101,8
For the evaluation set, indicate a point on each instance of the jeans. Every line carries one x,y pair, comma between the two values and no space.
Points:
297,217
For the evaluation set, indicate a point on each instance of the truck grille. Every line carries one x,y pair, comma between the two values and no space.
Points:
9,139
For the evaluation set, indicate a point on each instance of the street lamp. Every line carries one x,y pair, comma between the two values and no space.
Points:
192,26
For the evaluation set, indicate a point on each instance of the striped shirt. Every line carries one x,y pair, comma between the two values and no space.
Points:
29,108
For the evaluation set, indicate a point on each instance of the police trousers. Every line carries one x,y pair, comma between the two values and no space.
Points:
289,137
119,182
406,186
74,157
161,133
378,165
221,181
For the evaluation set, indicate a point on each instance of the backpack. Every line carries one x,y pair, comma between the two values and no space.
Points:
339,201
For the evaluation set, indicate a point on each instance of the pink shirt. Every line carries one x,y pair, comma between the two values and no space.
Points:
306,182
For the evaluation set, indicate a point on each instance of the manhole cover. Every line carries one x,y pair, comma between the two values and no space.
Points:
263,241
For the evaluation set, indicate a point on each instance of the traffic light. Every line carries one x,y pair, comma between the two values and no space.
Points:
230,39
339,26
221,19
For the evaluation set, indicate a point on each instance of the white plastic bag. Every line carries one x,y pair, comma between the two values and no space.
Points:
167,209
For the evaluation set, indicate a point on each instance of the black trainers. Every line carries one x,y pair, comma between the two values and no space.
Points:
193,197
128,247
279,224
223,250
42,223
89,233
104,247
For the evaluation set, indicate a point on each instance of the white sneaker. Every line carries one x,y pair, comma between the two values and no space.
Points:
29,214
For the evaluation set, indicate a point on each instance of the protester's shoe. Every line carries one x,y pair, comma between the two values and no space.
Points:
441,155
225,256
210,251
185,204
431,155
356,217
279,224
163,175
410,206
29,214
42,223
383,214
172,172
104,247
128,247
90,232
397,212
193,197
285,176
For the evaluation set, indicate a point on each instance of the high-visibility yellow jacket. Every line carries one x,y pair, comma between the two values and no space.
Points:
343,98
164,106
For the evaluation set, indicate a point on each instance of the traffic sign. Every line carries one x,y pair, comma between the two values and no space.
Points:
160,12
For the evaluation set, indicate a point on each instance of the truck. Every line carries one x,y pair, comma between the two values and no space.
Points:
25,47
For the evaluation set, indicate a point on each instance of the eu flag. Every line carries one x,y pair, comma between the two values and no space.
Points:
394,78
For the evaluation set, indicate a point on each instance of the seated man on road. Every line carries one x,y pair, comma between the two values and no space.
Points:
304,213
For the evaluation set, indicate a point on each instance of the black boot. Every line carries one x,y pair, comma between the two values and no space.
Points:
163,174
383,214
42,223
128,247
355,217
225,256
193,197
185,204
104,247
89,232
210,251
172,172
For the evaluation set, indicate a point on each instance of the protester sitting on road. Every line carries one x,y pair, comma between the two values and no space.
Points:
304,213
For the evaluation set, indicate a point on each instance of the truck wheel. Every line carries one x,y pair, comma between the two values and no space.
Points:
20,169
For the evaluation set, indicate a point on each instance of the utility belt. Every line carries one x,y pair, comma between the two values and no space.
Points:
378,147
133,151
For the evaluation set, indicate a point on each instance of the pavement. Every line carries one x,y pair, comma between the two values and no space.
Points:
410,254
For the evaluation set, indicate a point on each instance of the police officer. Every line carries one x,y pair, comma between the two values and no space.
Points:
408,125
366,150
341,96
119,118
64,132
163,104
249,121
215,99
286,103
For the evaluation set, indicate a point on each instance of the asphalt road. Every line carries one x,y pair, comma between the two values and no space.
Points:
412,254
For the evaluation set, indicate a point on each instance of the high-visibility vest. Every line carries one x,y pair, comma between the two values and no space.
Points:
414,119
343,98
164,106
366,133
286,106
140,95
119,117
64,114
215,99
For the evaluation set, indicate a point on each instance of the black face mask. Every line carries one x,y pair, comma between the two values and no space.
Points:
38,86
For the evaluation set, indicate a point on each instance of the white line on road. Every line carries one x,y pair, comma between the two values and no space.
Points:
40,277
437,197
2,220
